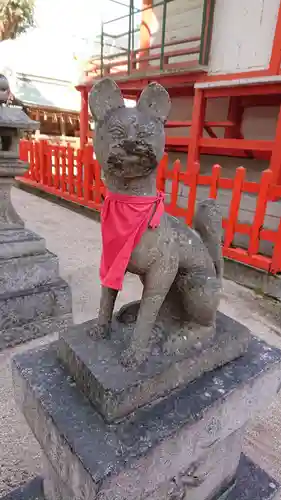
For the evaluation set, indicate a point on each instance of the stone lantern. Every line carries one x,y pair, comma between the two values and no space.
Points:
34,300
13,121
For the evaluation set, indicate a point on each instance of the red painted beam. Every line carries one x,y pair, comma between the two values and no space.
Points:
275,60
243,90
243,144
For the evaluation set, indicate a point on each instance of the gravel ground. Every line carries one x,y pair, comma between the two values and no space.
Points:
75,238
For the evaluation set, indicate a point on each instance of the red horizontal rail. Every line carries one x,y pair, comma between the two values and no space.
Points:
170,43
156,46
257,89
76,177
179,124
144,49
151,57
243,144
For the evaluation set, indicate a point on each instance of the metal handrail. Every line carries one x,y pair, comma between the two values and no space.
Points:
140,11
170,43
131,53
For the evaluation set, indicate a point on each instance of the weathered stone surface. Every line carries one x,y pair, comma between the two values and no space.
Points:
31,491
43,301
32,294
14,117
133,458
251,483
54,488
180,267
204,477
35,329
23,273
34,300
20,242
115,391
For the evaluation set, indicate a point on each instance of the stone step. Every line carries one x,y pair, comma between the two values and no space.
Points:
167,442
23,273
20,242
31,491
116,391
35,329
251,483
38,303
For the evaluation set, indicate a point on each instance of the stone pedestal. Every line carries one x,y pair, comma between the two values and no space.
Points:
34,300
176,443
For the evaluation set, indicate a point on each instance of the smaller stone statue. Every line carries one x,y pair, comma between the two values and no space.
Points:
181,268
4,89
13,121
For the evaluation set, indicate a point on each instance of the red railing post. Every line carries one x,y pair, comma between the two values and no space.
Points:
234,206
23,150
198,116
193,173
263,198
276,257
88,172
70,168
161,173
98,184
216,173
84,117
175,184
43,145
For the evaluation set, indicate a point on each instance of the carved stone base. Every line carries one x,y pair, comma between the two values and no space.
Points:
251,483
116,391
34,300
184,446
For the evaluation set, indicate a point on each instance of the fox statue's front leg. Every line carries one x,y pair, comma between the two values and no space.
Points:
107,303
157,283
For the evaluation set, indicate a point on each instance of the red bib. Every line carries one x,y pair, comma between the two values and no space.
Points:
124,219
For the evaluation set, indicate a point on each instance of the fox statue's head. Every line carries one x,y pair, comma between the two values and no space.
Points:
128,142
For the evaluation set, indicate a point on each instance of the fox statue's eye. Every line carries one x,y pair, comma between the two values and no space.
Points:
118,134
117,130
142,134
146,131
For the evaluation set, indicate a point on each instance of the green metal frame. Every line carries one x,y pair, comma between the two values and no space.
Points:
132,30
207,31
164,18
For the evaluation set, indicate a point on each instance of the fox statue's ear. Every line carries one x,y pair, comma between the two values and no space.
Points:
104,97
155,100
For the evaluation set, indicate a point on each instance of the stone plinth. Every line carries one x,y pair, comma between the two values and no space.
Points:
117,391
34,300
186,445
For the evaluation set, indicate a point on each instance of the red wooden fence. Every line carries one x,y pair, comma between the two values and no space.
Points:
75,175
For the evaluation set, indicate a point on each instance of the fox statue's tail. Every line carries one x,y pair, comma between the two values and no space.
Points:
208,223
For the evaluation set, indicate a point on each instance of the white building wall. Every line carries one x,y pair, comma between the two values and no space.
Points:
243,35
183,20
258,122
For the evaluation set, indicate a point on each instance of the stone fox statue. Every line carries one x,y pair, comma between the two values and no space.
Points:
181,268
